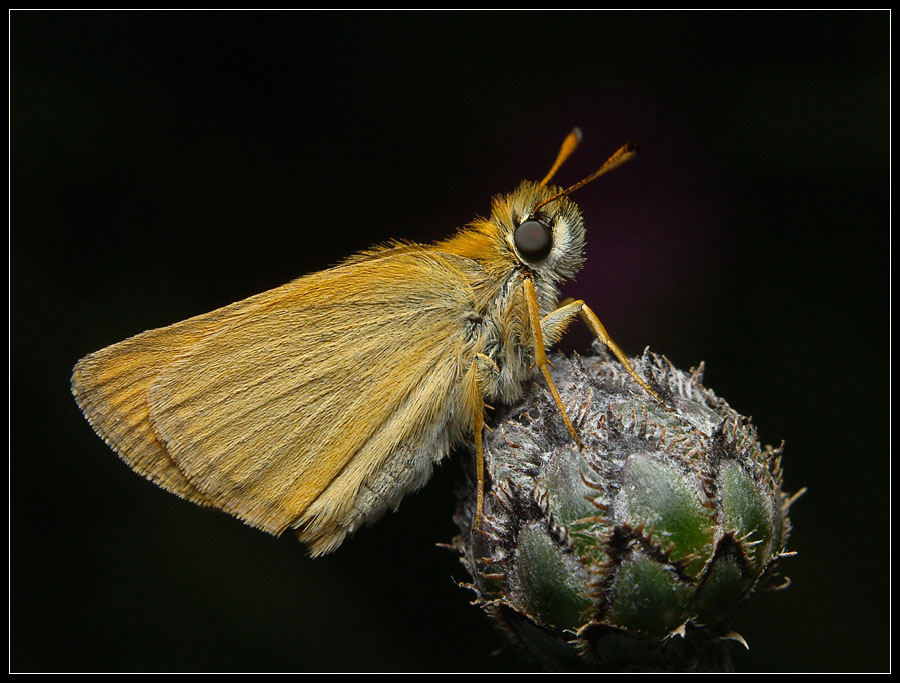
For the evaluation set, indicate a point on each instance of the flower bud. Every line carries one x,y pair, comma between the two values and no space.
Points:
632,552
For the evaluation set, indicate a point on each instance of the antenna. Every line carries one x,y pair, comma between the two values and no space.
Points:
568,146
623,154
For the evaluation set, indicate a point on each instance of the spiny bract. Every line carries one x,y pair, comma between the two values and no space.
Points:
632,553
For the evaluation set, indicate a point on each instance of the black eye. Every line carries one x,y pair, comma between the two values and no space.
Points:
533,240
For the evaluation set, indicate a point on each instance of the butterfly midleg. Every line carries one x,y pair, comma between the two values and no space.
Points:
593,322
560,318
553,325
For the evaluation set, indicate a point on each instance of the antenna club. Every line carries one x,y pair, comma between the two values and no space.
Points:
623,154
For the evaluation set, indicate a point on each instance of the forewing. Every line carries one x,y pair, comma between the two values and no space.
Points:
263,413
111,387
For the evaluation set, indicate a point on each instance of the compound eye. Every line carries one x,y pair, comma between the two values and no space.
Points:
533,240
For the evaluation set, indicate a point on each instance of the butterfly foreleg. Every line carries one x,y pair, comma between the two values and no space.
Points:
554,324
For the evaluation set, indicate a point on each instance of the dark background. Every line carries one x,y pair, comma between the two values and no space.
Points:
166,164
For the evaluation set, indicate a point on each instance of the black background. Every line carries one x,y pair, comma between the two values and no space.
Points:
165,164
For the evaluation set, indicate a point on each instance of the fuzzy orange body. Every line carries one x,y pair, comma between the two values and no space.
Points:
317,406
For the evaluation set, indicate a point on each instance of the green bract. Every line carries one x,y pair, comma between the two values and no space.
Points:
632,553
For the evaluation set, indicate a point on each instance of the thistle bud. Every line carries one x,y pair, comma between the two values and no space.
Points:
632,552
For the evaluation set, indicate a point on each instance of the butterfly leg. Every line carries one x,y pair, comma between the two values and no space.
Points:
558,319
540,355
593,322
554,324
480,365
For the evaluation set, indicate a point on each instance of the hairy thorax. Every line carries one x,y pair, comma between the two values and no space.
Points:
505,336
